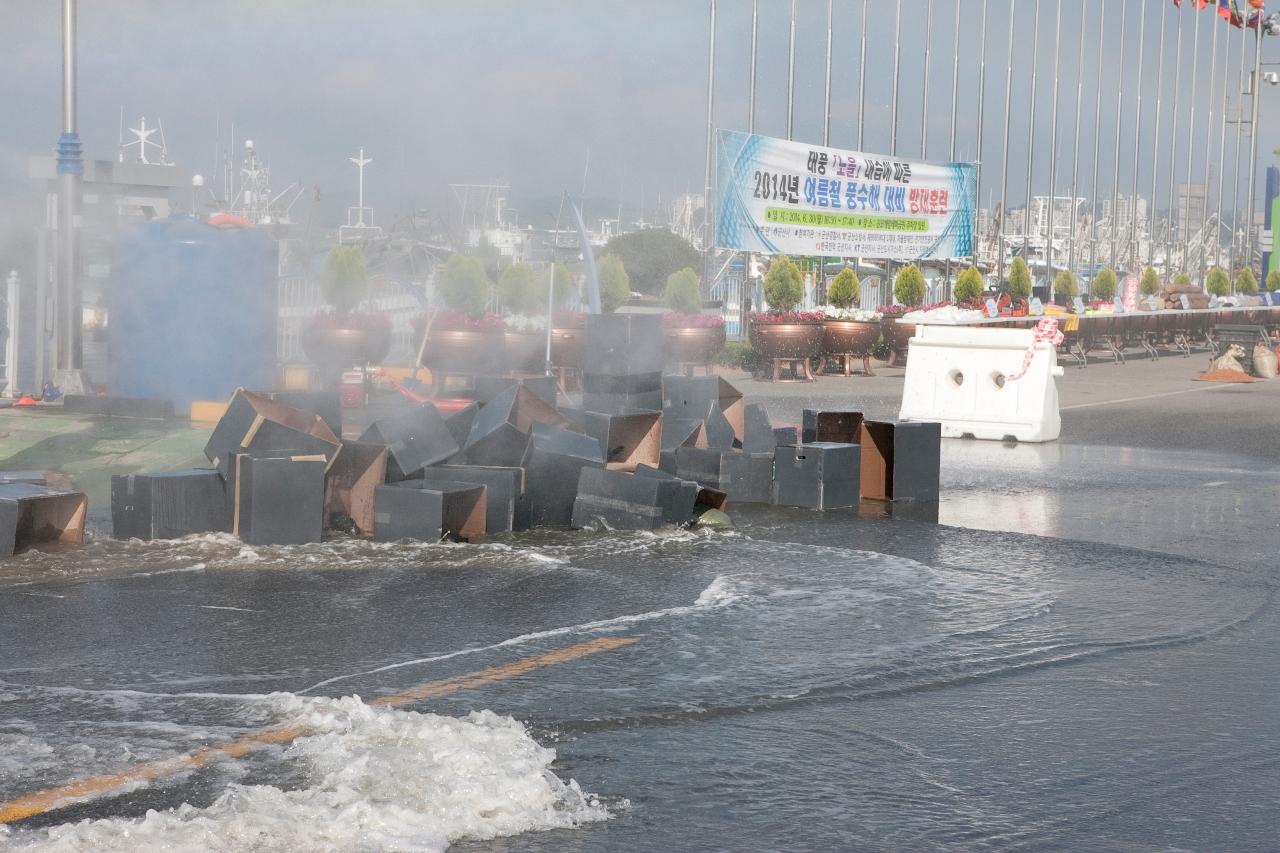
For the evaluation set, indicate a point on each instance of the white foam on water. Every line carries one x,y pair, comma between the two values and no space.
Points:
375,779
723,591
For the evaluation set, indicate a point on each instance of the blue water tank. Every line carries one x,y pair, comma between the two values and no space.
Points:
191,311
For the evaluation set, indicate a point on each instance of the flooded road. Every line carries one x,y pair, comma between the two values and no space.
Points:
800,682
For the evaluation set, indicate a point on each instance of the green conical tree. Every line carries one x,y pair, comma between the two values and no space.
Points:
345,282
1273,280
969,285
783,284
1020,278
845,289
1065,284
1150,282
909,286
681,293
1218,283
615,284
1104,286
1246,283
463,285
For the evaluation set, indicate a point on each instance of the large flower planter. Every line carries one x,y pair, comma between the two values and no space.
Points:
337,348
465,351
853,337
896,335
526,352
694,344
566,346
787,340
850,339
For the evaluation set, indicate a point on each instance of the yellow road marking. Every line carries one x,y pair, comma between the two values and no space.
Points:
95,786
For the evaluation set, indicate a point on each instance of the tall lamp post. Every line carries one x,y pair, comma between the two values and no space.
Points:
69,373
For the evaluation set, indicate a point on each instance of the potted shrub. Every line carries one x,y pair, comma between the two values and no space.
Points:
1020,283
1246,283
523,294
692,337
1273,280
782,332
1064,287
908,291
969,288
1104,286
343,336
1218,283
847,331
465,338
1149,284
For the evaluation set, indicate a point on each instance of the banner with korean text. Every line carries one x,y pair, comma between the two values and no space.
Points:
781,197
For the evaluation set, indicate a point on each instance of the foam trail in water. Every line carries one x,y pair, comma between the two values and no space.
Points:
721,592
376,779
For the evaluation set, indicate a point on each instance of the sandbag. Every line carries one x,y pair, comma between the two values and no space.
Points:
1264,361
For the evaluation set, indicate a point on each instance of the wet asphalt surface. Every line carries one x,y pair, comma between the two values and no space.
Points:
1082,655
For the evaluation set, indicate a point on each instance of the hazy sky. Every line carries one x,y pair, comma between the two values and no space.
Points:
519,91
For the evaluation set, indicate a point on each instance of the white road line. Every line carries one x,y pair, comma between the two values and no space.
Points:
1208,387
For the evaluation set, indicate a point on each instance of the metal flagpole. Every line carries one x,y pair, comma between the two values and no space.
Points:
1185,227
1208,146
1031,139
1173,154
897,53
982,90
1115,169
1137,144
1075,151
1097,128
1004,180
924,99
1053,145
791,75
955,91
1222,158
1253,141
1155,140
706,198
1235,184
751,96
826,124
862,75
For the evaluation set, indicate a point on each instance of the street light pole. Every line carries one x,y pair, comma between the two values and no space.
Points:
69,375
1004,179
1253,139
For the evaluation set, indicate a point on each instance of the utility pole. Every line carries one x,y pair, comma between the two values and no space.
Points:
69,375
1253,138
1004,179
707,236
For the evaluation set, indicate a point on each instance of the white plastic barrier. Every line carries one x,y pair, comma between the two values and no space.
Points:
964,378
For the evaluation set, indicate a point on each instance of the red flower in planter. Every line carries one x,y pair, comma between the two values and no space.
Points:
459,320
779,317
680,320
363,322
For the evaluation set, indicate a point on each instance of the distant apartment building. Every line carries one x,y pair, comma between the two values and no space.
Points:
1121,218
1192,208
1066,211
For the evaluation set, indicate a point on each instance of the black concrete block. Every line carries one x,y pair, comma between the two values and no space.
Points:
504,494
785,435
842,426
326,404
621,394
278,500
683,432
414,439
720,433
626,440
623,345
348,503
256,425
697,396
744,477
667,461
702,495
117,407
170,504
488,387
555,460
901,460
759,436
31,514
440,509
499,435
819,475
624,501
747,477
459,422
